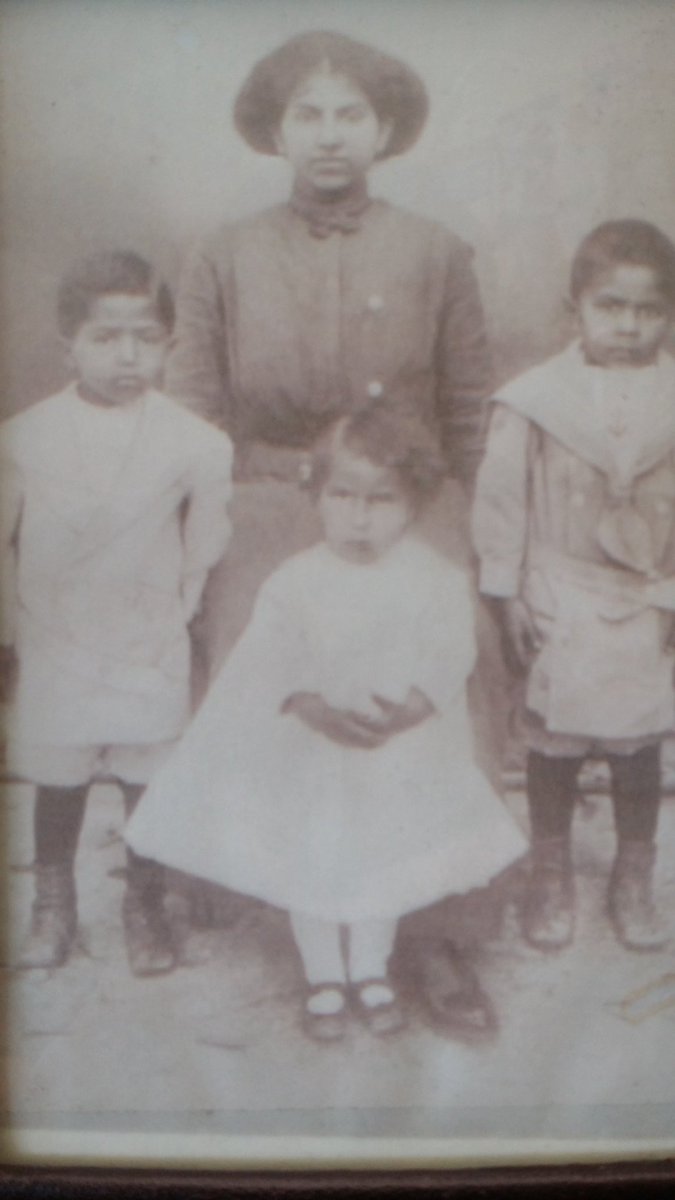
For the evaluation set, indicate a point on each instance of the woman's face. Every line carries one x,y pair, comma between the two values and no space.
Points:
330,133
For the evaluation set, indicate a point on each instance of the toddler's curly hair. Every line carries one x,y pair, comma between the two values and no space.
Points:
390,438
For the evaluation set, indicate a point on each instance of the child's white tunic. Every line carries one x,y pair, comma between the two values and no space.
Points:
255,799
111,521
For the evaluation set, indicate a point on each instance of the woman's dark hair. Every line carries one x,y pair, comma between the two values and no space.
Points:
396,93
627,242
389,438
111,272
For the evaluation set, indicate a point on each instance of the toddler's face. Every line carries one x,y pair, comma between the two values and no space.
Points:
624,317
119,351
330,132
363,508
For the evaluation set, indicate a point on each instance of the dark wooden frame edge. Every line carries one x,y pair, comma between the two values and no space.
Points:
600,1181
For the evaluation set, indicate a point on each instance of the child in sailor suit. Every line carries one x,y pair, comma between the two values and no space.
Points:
574,523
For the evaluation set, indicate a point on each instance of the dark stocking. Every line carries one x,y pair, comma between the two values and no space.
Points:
57,821
551,793
147,933
636,793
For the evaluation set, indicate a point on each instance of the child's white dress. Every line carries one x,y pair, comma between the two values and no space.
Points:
255,799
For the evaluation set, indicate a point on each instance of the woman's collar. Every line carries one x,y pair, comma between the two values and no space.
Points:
330,213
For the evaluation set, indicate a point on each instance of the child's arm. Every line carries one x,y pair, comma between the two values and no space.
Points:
499,527
9,667
518,624
499,518
206,524
11,503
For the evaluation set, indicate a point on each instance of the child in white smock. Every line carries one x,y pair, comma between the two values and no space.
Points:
330,768
114,509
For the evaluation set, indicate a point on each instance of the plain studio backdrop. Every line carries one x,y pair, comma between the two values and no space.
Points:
547,117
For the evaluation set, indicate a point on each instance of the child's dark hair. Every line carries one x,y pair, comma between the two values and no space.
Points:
388,438
624,243
111,272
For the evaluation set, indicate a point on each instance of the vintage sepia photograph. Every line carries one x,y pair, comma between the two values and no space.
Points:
337,590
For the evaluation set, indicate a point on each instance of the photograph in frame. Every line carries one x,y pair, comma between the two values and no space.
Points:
338,582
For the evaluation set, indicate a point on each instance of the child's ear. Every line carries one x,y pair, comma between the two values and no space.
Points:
66,347
571,311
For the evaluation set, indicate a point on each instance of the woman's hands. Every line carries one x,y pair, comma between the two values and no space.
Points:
350,728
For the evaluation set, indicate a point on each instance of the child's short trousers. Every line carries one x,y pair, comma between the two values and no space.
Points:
70,766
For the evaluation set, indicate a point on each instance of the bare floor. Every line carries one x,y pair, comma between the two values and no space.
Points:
218,1040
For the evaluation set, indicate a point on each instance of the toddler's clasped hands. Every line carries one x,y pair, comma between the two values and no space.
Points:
350,728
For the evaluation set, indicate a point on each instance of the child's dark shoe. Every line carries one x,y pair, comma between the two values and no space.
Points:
548,913
468,1014
211,906
454,1002
632,911
378,1006
147,934
325,1013
54,919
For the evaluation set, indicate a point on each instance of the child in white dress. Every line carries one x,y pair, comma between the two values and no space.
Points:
114,509
330,769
